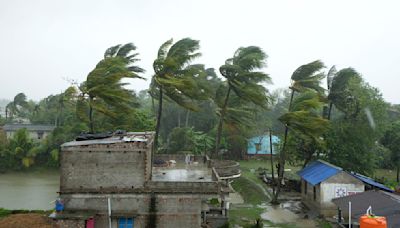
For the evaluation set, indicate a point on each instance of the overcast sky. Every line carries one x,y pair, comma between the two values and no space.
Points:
43,42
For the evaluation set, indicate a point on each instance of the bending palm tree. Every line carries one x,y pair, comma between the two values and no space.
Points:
104,90
173,78
243,79
305,78
340,93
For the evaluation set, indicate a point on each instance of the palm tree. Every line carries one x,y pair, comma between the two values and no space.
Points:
305,78
243,79
306,123
173,77
104,91
63,99
340,93
14,107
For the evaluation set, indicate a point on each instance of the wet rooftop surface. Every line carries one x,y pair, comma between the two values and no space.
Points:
183,172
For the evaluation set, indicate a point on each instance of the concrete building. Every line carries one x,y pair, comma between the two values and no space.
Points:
113,183
321,182
259,145
36,131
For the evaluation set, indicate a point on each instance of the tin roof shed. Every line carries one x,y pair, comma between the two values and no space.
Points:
318,171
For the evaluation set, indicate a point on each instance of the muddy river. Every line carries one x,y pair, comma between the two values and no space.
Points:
35,190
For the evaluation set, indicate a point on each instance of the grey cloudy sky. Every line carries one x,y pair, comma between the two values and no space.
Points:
44,41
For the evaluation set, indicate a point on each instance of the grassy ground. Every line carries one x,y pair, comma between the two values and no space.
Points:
252,164
253,191
388,176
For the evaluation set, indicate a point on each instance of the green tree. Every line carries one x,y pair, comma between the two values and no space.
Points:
341,96
244,79
16,106
23,148
173,78
305,78
306,125
104,91
361,121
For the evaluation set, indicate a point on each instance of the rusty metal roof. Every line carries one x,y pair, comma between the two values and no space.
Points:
129,137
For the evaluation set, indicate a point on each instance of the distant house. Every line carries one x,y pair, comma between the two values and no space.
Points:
259,145
321,182
36,131
382,203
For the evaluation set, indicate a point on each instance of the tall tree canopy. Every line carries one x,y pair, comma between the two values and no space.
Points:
391,141
174,78
104,91
244,78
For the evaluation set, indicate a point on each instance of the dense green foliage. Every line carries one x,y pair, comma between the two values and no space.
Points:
193,109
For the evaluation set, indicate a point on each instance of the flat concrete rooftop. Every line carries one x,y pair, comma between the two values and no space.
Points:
181,172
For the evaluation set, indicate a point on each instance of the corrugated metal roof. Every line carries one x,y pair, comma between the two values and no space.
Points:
382,203
29,127
318,171
370,181
130,137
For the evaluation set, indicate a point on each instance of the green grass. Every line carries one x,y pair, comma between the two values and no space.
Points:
387,174
323,224
265,164
6,212
244,216
248,185
251,193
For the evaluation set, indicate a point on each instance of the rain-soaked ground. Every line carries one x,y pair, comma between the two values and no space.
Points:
287,212
290,211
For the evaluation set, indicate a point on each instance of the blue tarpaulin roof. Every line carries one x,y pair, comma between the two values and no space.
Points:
369,181
318,171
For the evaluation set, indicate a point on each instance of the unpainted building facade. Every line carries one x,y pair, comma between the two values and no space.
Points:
113,182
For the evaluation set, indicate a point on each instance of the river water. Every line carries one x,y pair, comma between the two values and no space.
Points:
34,190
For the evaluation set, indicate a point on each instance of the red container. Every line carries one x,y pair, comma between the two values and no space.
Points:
368,221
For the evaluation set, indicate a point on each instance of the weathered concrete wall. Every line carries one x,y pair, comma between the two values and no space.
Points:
32,134
307,195
179,157
173,210
69,223
325,192
340,182
118,166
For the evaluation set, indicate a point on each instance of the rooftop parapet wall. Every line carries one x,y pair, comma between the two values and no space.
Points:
111,163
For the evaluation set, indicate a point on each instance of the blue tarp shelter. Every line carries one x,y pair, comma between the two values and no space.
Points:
259,145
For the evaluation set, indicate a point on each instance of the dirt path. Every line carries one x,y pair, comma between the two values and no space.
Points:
25,220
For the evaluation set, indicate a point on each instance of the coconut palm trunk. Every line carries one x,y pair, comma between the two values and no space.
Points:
221,122
272,161
159,113
282,157
91,125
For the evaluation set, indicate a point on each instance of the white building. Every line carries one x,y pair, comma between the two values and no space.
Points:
321,182
36,131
